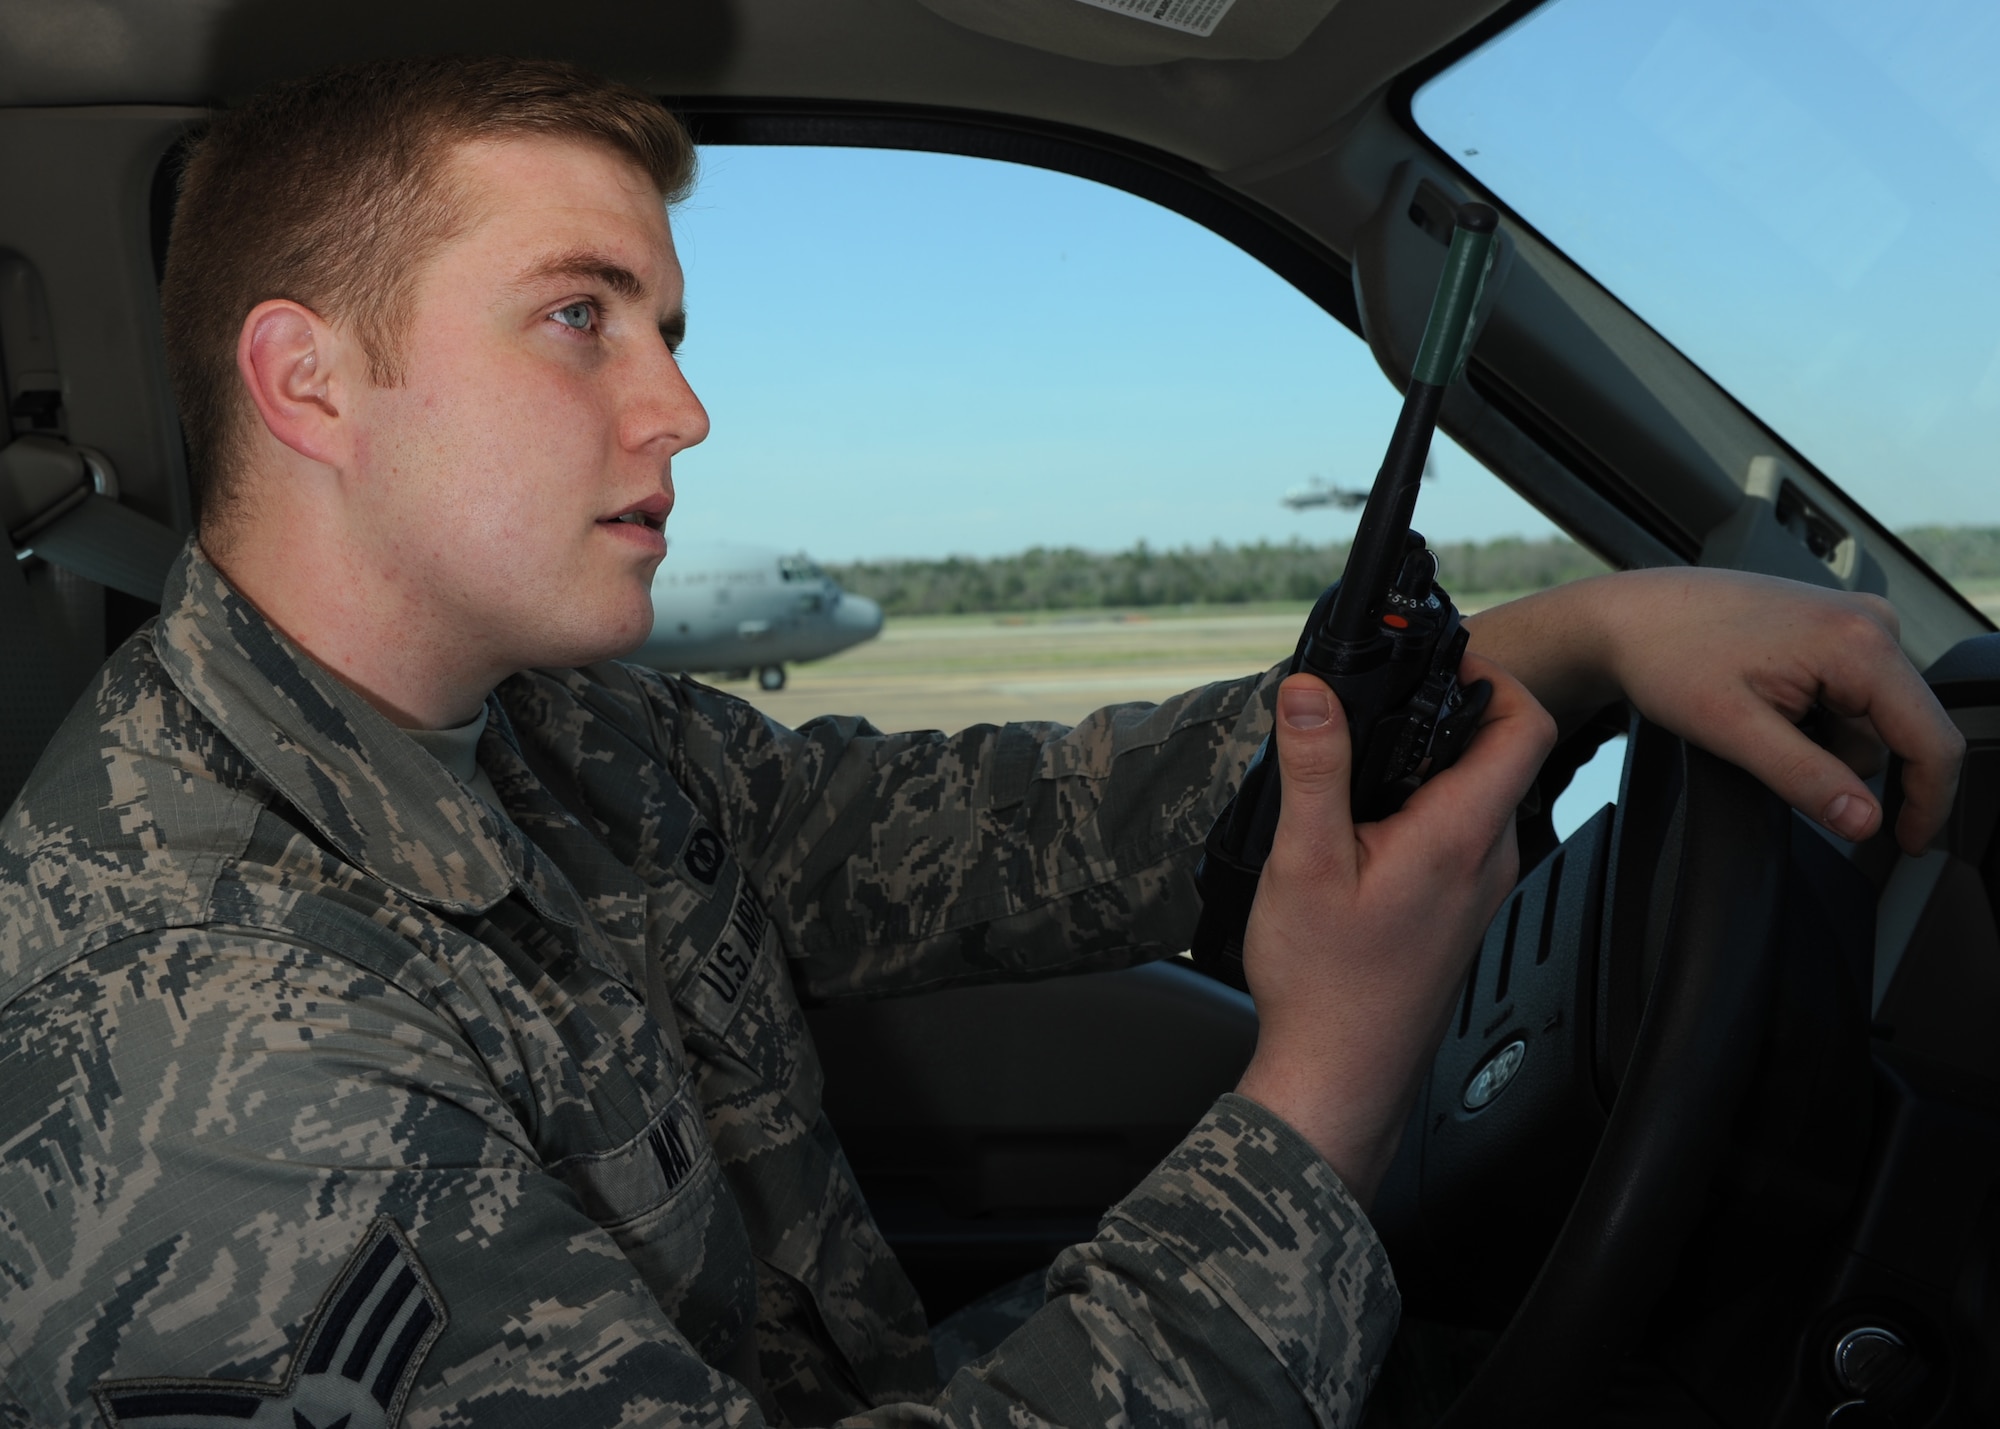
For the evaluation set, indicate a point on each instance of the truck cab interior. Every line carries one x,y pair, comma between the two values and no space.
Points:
1714,1137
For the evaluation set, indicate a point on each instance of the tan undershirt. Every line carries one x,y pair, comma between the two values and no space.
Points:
457,749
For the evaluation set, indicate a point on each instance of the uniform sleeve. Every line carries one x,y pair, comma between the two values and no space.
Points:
239,1174
1239,1284
895,863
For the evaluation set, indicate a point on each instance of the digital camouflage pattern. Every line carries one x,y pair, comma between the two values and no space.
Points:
325,1090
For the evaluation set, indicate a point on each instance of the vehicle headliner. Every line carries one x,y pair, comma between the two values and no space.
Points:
1223,114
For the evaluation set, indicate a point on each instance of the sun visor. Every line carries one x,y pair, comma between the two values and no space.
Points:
1144,32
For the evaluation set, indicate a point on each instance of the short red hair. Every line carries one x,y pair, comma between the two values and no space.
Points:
332,191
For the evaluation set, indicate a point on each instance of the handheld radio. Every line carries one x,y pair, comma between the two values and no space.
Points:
1385,636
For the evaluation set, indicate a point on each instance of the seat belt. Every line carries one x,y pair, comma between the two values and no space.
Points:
59,502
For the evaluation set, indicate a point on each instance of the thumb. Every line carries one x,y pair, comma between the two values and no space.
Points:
1314,754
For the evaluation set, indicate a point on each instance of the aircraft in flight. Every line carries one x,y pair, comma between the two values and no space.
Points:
719,607
1320,492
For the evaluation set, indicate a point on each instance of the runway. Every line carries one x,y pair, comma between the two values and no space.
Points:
947,672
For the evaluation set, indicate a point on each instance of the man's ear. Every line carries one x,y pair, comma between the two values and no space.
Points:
287,355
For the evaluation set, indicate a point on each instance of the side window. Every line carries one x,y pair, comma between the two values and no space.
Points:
1076,448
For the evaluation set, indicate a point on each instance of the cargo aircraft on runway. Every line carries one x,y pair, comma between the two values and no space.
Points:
731,609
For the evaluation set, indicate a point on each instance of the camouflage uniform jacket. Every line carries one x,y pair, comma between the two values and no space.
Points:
329,1097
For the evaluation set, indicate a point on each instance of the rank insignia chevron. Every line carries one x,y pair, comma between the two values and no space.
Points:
353,1369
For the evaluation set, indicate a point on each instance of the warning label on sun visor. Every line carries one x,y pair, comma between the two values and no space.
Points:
1193,17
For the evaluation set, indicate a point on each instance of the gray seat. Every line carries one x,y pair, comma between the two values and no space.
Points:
65,528
34,696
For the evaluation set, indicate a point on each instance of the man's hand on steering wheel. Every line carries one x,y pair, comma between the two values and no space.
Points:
1734,663
1360,935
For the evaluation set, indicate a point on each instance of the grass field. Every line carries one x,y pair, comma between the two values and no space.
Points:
949,671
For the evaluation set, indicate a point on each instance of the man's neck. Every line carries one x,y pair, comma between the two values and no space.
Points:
361,626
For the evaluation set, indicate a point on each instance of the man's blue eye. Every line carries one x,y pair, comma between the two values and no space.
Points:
576,315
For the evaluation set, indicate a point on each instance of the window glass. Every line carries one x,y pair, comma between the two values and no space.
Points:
919,356
1802,195
1593,786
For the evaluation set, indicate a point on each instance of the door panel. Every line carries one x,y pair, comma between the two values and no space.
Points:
992,1126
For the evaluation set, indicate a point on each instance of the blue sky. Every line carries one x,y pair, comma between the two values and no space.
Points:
911,354
917,355
1803,195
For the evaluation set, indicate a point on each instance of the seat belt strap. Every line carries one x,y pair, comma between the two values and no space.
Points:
113,545
57,502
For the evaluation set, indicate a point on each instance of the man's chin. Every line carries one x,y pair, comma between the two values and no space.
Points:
611,638
617,649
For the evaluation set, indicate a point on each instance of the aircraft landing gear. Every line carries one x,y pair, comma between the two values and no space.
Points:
771,677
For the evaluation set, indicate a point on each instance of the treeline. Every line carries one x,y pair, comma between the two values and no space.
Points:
1065,578
1958,553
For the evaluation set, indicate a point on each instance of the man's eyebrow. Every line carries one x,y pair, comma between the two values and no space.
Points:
585,263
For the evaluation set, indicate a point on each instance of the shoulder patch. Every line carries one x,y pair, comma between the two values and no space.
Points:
353,1369
704,856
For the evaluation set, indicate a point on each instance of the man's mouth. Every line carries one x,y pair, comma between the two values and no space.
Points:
650,514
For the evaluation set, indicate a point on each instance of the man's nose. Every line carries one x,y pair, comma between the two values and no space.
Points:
661,407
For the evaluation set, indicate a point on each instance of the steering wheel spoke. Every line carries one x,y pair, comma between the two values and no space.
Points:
1584,1099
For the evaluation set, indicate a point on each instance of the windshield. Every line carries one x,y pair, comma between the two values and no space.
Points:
1801,195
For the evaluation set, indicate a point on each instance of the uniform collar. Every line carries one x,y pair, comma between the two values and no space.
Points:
372,792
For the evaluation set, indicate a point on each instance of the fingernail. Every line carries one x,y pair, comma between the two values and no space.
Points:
1303,709
1846,815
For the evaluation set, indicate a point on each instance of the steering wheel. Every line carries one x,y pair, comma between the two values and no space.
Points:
1584,1097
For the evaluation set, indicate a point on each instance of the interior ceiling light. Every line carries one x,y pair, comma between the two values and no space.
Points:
1144,32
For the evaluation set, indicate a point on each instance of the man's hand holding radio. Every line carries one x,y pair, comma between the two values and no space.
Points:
1359,936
